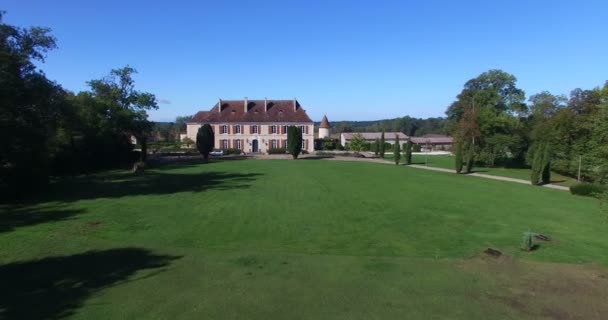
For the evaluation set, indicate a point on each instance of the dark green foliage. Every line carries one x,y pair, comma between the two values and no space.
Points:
546,174
588,189
470,158
408,152
541,163
376,147
382,146
294,141
397,150
232,151
416,148
527,241
277,151
458,156
328,144
205,140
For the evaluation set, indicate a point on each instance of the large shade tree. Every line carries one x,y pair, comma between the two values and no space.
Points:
30,106
485,116
128,106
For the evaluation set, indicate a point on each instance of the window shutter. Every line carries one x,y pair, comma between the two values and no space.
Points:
250,129
306,129
242,145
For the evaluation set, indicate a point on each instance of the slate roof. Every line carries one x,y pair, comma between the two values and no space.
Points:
257,111
376,135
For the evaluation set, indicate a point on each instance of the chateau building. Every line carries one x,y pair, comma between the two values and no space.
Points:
254,126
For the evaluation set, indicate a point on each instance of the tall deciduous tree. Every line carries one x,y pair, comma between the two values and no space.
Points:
382,145
30,106
294,141
128,106
488,107
205,140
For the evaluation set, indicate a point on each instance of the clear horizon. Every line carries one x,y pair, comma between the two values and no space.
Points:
358,61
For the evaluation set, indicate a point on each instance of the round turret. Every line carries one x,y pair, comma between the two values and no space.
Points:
324,128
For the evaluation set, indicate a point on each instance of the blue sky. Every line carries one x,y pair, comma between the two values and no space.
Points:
351,60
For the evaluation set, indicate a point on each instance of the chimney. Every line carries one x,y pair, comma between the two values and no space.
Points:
219,106
265,104
245,104
295,104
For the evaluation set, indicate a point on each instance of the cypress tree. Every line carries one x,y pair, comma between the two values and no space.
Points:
470,161
458,156
537,163
546,172
397,150
376,147
408,152
205,140
382,145
294,141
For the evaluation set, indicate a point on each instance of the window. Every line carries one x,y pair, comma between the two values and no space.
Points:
274,144
303,129
224,144
224,129
238,143
273,129
254,129
285,129
237,129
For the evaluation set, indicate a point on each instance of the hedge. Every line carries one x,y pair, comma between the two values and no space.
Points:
277,151
588,189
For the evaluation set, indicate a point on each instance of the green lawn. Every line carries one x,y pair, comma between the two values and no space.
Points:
306,239
447,162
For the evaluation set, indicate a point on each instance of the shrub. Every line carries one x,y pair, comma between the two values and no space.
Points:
232,151
588,189
278,151
417,148
528,241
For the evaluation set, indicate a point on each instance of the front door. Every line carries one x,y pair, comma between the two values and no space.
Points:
254,145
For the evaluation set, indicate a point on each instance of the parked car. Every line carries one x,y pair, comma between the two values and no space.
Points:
217,152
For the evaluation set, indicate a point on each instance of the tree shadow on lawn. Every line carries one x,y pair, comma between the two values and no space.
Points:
116,185
12,217
55,287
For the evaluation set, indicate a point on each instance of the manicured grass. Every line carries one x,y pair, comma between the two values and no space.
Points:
306,239
442,161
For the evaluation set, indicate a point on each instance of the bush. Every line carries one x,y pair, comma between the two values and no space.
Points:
277,151
588,189
232,151
528,241
417,148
